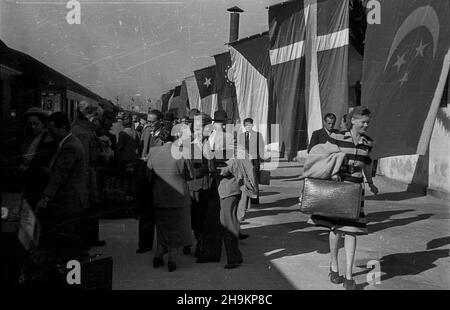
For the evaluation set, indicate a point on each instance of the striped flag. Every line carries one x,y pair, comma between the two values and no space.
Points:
207,89
193,93
179,103
250,70
165,100
309,56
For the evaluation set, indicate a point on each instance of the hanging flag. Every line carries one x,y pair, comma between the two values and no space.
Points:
404,74
165,100
250,71
178,104
193,93
309,57
207,89
226,91
158,105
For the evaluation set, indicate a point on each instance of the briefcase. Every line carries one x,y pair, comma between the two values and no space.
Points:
96,273
329,198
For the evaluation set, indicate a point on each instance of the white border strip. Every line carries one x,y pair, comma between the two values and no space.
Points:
287,53
333,40
297,49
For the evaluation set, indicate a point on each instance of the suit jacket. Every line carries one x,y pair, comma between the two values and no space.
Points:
318,137
36,175
150,137
67,188
256,144
127,145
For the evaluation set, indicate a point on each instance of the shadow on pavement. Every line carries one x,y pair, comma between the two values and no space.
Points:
437,243
282,177
385,215
264,194
408,264
289,239
373,228
398,196
259,213
282,203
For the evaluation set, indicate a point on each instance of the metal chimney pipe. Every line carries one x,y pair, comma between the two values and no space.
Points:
234,23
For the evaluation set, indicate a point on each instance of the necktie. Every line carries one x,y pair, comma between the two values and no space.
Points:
247,143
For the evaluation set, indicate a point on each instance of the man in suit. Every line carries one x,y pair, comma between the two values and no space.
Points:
150,137
321,136
36,153
253,142
66,196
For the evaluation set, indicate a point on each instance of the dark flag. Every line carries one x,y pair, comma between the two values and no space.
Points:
206,83
174,97
226,91
165,100
403,65
309,57
178,104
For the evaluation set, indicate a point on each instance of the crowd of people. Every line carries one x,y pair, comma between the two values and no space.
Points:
188,201
198,199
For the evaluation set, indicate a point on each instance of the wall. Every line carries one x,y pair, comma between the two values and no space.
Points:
431,172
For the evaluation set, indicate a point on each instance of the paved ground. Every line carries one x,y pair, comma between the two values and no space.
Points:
410,237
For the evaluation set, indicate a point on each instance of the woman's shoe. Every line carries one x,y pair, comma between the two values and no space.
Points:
172,266
349,284
335,277
157,262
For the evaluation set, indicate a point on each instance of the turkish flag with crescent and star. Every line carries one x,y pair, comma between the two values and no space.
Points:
403,63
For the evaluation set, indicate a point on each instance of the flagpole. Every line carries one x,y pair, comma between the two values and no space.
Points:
427,131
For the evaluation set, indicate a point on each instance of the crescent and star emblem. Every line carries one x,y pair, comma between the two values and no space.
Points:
424,16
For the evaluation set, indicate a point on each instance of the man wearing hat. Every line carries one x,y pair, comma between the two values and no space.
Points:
152,136
36,153
215,151
199,186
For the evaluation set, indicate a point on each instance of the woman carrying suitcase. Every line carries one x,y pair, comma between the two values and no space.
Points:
357,165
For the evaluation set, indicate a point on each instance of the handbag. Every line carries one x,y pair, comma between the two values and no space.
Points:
332,199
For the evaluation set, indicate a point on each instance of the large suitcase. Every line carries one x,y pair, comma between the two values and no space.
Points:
97,273
332,199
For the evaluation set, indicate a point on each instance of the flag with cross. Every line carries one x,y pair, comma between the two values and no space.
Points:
309,57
